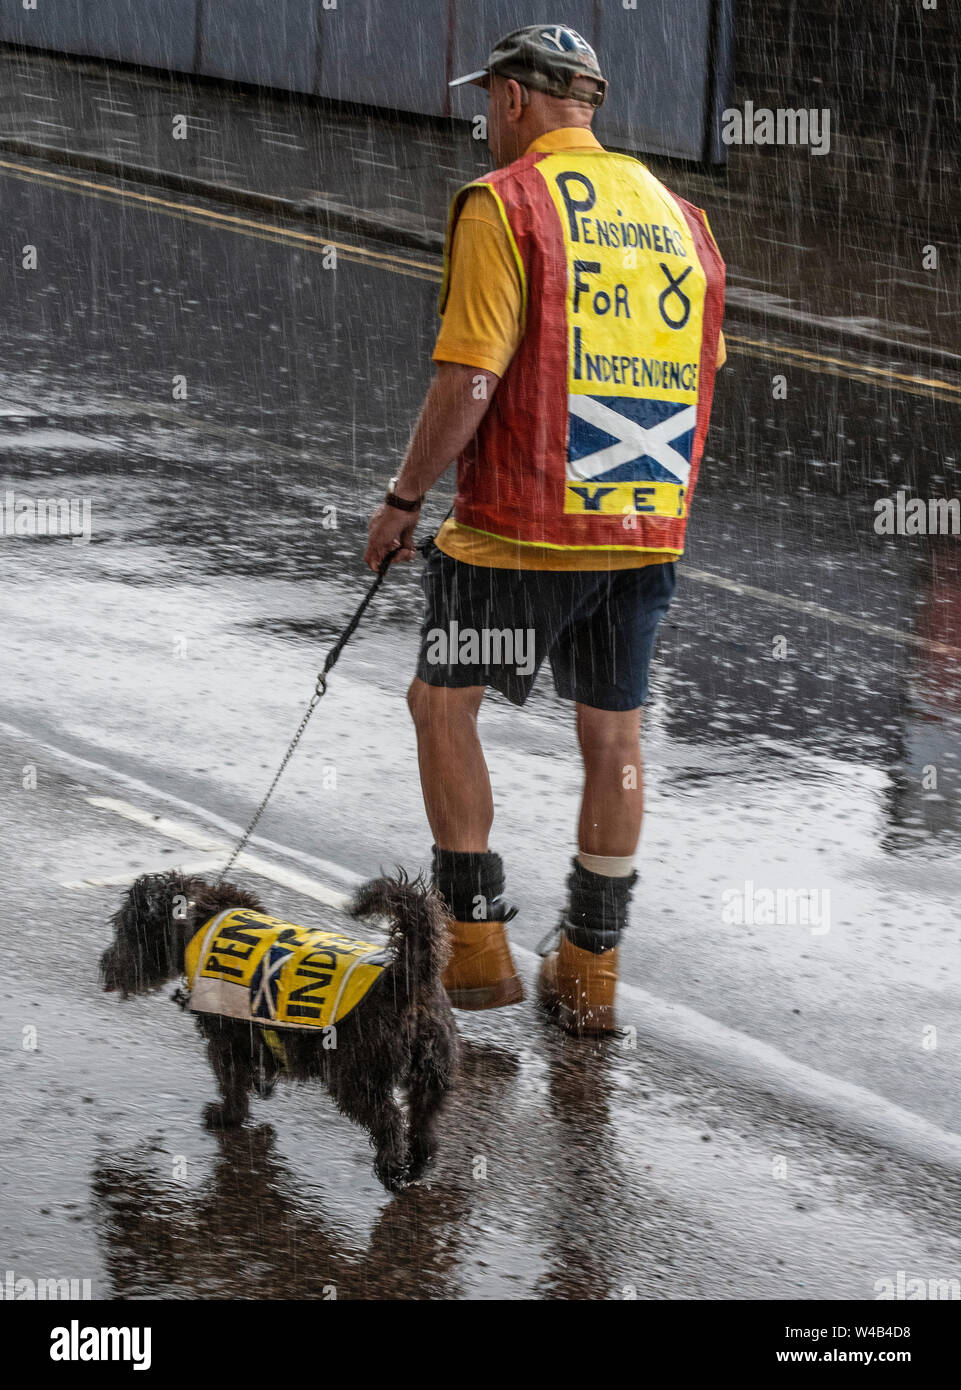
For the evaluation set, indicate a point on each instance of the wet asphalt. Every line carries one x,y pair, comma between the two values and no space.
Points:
807,682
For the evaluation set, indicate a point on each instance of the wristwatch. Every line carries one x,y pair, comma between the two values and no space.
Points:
403,504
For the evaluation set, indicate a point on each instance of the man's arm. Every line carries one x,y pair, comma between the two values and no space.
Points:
454,407
478,338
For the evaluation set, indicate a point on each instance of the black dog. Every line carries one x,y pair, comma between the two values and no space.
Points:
401,1033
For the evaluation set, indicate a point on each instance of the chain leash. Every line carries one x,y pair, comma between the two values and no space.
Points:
320,690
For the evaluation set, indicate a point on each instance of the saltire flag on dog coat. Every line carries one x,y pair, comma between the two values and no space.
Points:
247,965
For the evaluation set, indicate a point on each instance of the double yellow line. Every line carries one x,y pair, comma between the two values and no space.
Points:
852,371
262,230
245,226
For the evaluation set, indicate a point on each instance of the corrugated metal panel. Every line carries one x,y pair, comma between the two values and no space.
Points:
386,54
399,53
721,75
272,43
157,33
655,58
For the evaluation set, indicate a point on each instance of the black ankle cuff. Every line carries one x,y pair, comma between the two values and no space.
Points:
590,938
597,908
471,884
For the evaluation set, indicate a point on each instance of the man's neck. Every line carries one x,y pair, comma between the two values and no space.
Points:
538,130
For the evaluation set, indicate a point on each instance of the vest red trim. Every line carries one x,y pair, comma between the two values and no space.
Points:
512,477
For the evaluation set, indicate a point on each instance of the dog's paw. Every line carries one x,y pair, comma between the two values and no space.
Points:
393,1178
417,1166
217,1116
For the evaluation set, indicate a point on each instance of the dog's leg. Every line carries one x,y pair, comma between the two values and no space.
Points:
387,1132
233,1068
431,1072
265,1070
378,1113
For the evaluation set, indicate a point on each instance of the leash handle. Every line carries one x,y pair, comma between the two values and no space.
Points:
319,690
334,654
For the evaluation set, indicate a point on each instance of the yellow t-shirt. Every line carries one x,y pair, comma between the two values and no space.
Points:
482,328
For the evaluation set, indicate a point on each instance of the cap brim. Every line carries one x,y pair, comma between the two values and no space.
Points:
480,78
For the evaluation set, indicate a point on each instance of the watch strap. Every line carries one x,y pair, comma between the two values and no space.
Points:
403,504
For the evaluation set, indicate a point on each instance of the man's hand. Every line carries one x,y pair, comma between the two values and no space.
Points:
390,530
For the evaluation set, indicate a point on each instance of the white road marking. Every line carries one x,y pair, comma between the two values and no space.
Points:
193,839
230,829
817,610
172,830
123,880
677,1031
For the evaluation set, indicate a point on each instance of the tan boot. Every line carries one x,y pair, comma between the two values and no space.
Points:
577,988
481,973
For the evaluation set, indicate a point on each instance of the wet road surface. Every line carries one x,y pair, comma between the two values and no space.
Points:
807,683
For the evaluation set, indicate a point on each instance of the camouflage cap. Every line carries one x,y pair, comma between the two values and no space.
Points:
546,57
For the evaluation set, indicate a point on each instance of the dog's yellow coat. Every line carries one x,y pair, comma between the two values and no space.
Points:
247,965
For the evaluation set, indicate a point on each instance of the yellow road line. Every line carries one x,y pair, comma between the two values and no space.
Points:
261,230
245,225
858,371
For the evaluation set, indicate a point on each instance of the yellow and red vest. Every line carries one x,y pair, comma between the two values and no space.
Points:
596,430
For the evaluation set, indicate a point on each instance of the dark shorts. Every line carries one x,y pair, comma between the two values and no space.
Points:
494,627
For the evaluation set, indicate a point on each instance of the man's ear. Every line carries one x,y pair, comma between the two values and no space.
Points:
517,98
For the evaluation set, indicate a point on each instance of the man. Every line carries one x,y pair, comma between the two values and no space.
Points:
582,306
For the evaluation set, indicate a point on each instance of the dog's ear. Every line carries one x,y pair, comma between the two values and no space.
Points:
151,928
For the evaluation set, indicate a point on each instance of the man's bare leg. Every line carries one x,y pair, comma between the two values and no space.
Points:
453,772
460,809
578,979
612,805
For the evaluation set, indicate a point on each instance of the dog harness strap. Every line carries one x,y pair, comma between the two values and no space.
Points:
274,1041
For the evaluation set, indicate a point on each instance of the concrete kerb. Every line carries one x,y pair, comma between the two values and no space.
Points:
315,210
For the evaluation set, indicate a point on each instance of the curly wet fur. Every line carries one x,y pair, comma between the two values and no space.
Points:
400,1036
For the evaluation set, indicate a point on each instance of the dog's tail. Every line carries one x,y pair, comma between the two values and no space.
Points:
418,926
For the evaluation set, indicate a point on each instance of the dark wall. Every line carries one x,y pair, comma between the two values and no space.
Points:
662,56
